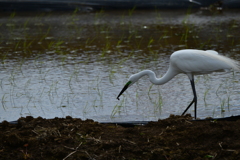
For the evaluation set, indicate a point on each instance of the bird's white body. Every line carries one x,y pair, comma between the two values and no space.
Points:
190,62
200,62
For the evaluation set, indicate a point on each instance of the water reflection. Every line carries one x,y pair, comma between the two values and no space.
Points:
59,64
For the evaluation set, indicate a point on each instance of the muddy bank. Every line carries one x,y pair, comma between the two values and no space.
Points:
68,138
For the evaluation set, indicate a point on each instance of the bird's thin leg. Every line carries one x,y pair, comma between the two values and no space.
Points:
193,101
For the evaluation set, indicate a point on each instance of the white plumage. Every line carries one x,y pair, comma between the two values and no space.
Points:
201,62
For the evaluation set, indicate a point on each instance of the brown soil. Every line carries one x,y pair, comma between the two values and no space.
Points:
69,138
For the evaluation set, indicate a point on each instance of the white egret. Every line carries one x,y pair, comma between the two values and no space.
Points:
190,62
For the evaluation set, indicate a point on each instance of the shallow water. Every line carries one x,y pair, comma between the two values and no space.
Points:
60,63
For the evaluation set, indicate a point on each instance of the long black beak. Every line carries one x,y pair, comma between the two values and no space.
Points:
124,89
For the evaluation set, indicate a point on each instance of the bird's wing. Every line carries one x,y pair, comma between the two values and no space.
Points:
201,62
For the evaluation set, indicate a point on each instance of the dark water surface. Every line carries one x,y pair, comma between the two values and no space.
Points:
55,64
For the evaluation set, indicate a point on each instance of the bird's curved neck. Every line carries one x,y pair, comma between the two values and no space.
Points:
158,81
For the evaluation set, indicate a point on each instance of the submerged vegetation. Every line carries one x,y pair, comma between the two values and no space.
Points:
75,62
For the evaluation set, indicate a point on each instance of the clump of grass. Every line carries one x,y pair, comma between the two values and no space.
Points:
205,97
4,101
117,108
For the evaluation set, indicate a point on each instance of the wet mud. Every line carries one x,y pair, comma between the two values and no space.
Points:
175,138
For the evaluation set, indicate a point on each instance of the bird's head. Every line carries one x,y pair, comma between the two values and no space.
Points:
134,78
